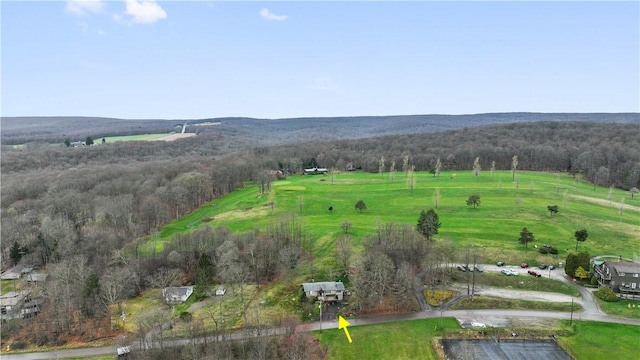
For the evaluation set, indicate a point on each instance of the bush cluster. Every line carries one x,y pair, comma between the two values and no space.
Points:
606,294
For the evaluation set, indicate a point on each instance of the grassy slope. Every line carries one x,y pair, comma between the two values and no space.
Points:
493,228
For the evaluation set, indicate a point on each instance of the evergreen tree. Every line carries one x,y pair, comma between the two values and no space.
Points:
526,237
428,223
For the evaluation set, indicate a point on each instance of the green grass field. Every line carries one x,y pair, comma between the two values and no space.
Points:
493,228
145,137
395,340
584,340
596,340
623,308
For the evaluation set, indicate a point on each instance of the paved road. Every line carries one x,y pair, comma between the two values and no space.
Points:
591,312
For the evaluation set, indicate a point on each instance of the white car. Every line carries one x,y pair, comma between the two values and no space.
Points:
509,272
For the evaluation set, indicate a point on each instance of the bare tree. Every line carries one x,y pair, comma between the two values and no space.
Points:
514,166
476,166
343,251
438,167
411,178
405,164
392,170
493,168
381,166
436,197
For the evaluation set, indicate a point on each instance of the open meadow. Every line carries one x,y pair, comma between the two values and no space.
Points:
611,217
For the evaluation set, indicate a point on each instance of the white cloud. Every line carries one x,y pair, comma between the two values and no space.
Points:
268,15
81,7
143,11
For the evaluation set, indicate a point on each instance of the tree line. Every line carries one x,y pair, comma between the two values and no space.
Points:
80,212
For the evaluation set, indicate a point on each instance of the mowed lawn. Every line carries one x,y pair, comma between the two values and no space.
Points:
394,340
412,340
492,229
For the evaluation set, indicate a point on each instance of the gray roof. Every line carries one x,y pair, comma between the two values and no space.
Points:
177,291
624,267
325,286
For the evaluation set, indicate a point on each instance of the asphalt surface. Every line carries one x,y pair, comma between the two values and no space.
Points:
495,316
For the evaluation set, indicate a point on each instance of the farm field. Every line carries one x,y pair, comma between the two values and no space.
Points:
145,137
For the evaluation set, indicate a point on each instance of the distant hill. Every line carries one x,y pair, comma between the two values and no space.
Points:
19,130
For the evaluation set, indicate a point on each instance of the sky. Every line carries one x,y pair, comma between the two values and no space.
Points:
144,59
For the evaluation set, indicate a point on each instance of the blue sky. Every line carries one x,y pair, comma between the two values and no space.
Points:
140,59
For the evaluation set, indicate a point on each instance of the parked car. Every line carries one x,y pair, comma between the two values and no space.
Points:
500,263
524,265
461,268
551,267
509,272
542,266
533,273
478,269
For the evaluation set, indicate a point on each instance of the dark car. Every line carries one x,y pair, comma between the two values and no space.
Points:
542,266
500,263
533,273
524,265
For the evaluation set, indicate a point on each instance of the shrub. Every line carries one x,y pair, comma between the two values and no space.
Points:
553,250
18,345
186,316
593,280
606,294
543,250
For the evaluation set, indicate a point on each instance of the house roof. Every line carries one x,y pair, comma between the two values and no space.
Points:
624,267
325,286
12,298
177,291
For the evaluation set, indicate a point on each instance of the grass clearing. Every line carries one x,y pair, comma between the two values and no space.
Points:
622,308
394,340
597,340
521,282
493,227
486,302
144,137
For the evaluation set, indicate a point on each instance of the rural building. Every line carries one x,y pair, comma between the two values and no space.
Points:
315,171
11,304
325,291
621,277
176,294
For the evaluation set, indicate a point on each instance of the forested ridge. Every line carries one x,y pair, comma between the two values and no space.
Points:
23,130
73,210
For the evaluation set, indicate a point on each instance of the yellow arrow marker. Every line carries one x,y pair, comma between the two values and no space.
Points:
342,324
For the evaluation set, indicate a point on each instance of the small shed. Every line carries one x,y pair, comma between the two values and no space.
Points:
221,291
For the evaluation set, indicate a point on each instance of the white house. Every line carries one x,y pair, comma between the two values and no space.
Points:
176,294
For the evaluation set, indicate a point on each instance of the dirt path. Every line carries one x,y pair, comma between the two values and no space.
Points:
605,202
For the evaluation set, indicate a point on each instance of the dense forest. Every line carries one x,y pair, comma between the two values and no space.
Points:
80,211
